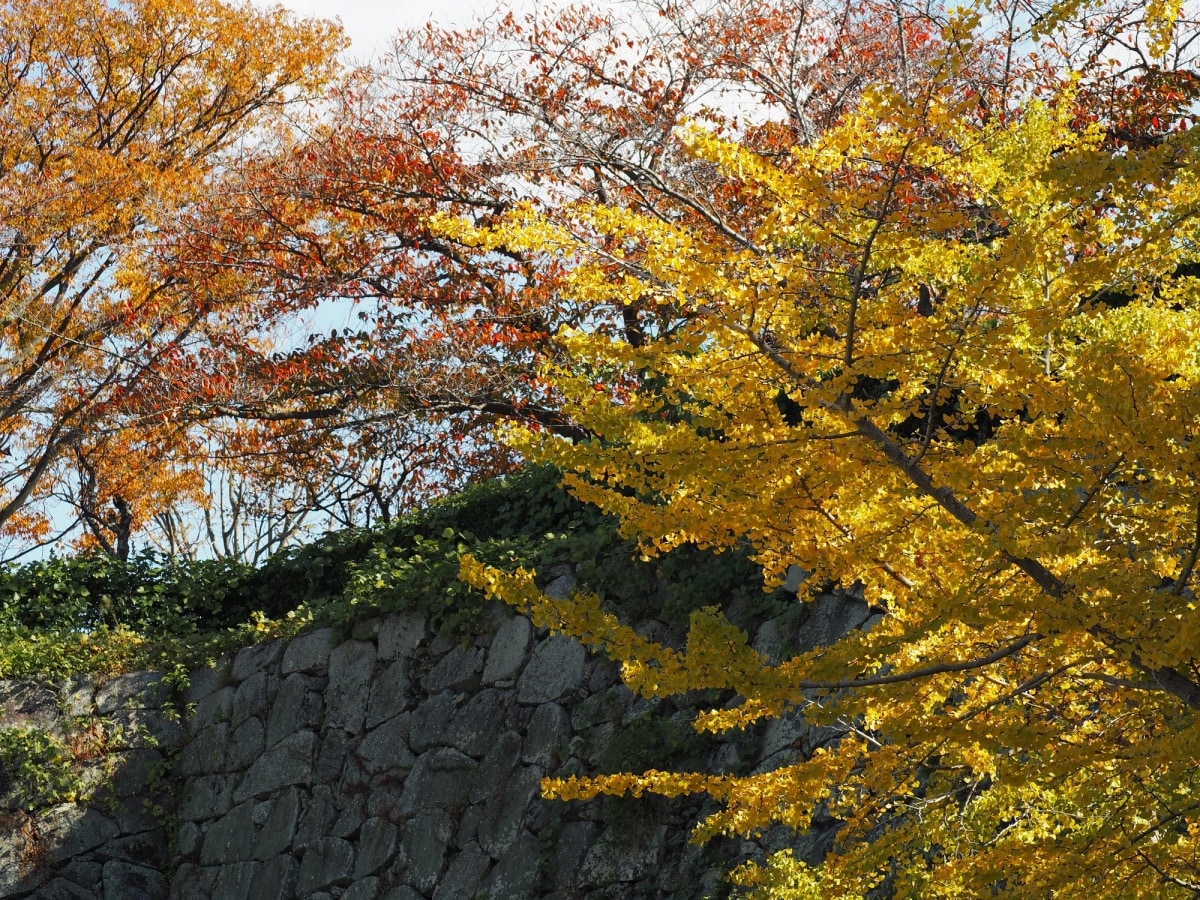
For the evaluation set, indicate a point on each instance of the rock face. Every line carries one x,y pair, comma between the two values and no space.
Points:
403,765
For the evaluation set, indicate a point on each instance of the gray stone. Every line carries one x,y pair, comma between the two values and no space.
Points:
425,840
69,831
404,892
399,635
297,706
279,827
364,889
214,708
327,862
497,767
188,840
458,670
784,732
236,881
464,875
621,856
132,771
78,695
770,639
516,873
288,762
130,882
547,736
318,817
335,744
206,796
389,693
204,754
386,747
250,699
831,616
560,587
352,815
276,880
376,846
573,843
554,670
143,728
259,658
439,779
83,872
135,690
350,668
26,705
146,848
505,811
430,721
230,838
609,705
191,882
474,727
507,652
309,652
64,889
245,745
203,682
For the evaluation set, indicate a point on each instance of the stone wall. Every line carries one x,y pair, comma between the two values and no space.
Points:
392,763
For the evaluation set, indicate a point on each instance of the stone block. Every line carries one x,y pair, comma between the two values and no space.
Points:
554,670
363,889
135,690
439,779
297,706
288,762
430,721
276,879
231,837
235,881
246,744
279,825
259,658
206,796
464,875
497,767
475,725
399,635
425,840
385,749
126,880
250,699
350,667
212,710
328,862
507,652
308,653
389,693
376,847
459,670
618,857
517,871
505,811
547,736
69,831
316,818
204,754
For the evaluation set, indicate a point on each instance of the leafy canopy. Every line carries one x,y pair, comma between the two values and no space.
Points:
949,357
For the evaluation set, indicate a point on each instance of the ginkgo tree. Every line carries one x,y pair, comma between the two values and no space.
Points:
952,362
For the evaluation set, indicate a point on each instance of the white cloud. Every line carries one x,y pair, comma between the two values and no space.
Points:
370,24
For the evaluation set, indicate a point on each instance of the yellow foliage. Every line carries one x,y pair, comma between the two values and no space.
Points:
955,363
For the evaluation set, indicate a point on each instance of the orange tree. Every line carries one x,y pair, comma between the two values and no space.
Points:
950,358
113,119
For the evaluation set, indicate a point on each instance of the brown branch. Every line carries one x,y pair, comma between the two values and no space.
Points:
927,671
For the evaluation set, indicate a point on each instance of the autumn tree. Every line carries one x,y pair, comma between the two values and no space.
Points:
441,341
114,118
949,360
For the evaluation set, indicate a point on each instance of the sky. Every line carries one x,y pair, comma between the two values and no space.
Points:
370,24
